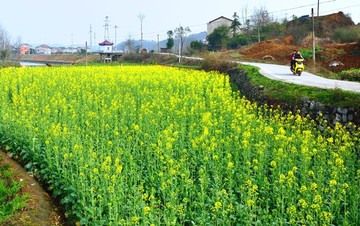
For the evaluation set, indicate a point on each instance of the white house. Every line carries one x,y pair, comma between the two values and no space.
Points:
71,50
57,50
43,49
220,21
106,47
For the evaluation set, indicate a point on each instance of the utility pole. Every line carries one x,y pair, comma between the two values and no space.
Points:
90,33
180,42
116,27
95,37
313,35
158,43
141,17
86,47
106,31
318,8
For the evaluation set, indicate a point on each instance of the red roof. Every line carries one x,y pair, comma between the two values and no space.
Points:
106,43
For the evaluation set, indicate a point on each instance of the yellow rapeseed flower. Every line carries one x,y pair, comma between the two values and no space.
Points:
333,183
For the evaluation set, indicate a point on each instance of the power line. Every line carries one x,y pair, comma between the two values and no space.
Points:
278,11
338,9
299,7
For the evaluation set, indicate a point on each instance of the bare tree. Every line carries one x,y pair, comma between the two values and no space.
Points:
260,18
181,33
17,45
130,45
5,45
244,15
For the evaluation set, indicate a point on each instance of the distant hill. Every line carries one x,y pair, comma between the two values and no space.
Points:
153,45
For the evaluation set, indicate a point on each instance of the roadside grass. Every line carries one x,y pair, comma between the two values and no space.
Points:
11,198
291,93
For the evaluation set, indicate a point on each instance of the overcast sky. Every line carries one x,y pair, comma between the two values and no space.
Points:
68,21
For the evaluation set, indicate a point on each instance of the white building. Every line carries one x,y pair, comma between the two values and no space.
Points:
106,47
43,49
220,21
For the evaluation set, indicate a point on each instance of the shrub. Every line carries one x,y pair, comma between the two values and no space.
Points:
318,48
306,53
350,75
9,64
213,63
348,34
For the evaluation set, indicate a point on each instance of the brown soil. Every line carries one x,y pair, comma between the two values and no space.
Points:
40,210
280,49
62,58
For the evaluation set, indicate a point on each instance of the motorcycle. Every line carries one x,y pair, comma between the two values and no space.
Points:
298,67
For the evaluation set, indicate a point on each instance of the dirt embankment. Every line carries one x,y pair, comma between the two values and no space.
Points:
40,209
347,55
60,58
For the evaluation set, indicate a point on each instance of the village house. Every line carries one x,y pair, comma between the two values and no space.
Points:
220,21
57,50
24,49
71,50
43,49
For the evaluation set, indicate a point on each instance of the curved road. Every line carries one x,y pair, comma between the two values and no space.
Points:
283,73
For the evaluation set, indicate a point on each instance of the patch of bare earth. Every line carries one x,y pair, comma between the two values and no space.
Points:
41,210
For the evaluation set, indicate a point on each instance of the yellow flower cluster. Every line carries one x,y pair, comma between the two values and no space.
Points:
154,145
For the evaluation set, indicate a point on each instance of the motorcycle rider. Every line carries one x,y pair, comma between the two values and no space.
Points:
291,57
295,55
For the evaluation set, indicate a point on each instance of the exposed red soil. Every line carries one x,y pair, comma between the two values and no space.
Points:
280,49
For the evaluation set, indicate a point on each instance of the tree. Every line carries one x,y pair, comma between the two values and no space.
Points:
273,30
244,15
130,45
235,24
5,45
196,46
170,40
17,46
238,40
219,38
181,34
247,25
260,18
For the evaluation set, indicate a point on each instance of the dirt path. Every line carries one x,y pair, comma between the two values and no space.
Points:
40,210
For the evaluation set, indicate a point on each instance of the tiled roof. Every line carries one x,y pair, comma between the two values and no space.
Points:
106,43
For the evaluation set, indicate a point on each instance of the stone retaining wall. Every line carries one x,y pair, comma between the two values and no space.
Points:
332,114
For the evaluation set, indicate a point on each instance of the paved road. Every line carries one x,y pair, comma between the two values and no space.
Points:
283,73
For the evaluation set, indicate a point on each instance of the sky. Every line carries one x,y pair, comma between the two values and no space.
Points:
67,22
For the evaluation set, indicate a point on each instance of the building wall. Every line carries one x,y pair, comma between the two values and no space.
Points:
217,23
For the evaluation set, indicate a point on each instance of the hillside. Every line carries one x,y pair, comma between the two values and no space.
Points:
329,52
278,50
324,26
